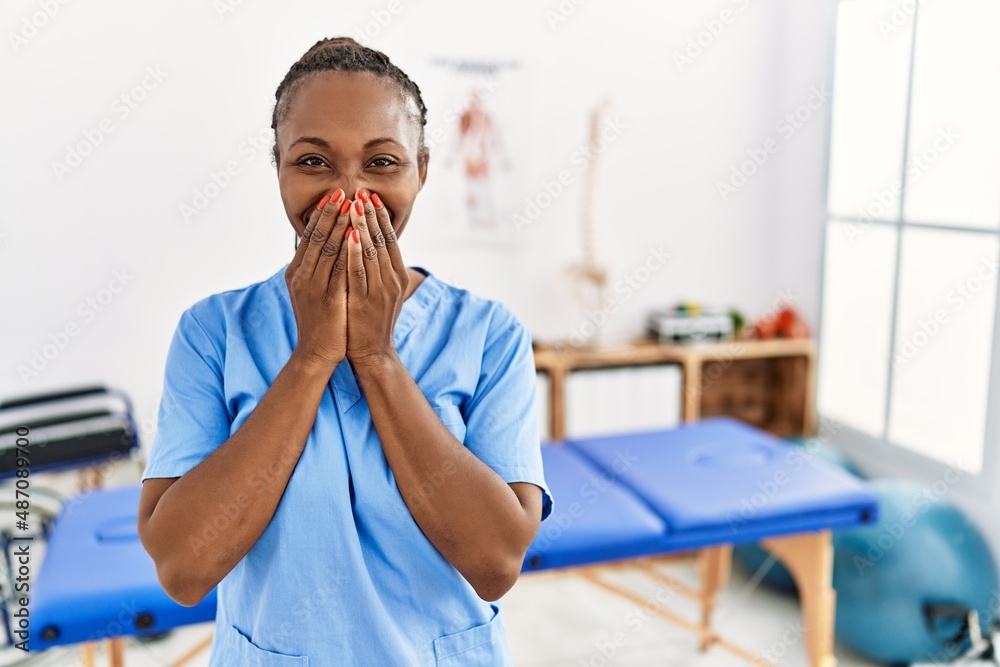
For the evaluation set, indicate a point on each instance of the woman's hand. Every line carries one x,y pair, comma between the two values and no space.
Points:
317,284
376,283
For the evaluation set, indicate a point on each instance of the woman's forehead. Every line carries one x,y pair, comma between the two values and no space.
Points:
348,108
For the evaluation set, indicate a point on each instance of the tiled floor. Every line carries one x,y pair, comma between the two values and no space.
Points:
564,621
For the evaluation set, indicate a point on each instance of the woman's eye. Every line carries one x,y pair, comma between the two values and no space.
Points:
308,161
382,162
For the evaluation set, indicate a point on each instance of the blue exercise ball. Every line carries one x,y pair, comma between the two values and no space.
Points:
906,583
752,557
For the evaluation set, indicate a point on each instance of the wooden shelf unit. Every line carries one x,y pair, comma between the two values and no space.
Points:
767,383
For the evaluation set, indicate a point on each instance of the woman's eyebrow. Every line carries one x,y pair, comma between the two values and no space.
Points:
323,143
383,140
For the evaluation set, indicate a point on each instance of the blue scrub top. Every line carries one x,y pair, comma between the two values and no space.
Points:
343,575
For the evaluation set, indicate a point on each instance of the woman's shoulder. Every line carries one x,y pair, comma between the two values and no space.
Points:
213,311
493,313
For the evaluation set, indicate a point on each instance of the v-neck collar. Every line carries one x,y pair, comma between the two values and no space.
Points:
347,386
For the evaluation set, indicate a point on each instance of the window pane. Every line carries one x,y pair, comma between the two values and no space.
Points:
869,111
854,338
953,165
944,333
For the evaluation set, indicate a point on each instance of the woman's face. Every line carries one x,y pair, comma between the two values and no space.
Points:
349,130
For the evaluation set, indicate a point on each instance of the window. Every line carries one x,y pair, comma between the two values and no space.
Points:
909,301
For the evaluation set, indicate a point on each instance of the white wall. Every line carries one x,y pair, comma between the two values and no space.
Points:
61,240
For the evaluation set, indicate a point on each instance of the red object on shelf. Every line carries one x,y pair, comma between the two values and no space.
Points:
786,323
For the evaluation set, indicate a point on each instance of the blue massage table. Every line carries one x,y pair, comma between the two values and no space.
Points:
98,583
631,500
622,501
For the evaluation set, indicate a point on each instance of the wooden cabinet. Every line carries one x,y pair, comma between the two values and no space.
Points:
767,383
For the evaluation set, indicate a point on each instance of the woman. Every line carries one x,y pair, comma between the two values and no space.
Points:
349,448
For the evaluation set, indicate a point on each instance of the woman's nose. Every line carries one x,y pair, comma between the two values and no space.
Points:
351,187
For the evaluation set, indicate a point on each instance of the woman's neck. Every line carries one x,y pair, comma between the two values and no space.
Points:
416,277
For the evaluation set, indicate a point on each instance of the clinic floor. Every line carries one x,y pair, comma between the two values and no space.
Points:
564,621
557,620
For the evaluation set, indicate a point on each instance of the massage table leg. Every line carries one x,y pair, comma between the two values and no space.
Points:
87,653
116,651
714,566
809,559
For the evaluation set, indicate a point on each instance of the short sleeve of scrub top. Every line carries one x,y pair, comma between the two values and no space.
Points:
192,420
343,575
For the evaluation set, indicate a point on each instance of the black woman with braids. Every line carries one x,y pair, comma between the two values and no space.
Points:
348,450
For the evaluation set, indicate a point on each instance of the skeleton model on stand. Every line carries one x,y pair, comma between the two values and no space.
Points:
588,278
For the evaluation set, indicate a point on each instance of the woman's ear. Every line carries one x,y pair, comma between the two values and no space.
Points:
423,157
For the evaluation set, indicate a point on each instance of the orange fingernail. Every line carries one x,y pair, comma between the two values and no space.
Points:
348,232
323,201
359,208
363,196
376,201
337,194
345,207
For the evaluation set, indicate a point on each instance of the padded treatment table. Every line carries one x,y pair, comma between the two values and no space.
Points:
98,583
630,500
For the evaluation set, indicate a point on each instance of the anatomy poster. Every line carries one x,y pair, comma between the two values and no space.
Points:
478,136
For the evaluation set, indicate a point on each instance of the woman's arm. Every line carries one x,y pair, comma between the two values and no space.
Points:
474,518
479,522
197,527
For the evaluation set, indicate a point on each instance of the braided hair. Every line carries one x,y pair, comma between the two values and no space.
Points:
341,54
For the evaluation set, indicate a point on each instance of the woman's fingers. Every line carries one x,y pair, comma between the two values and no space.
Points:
357,277
316,240
390,247
334,244
300,250
341,269
359,220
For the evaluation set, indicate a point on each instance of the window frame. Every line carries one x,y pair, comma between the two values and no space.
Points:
880,456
